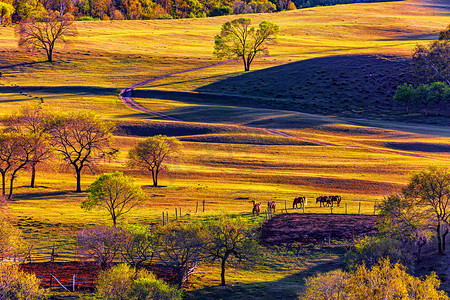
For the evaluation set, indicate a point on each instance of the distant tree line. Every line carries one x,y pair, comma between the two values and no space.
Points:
425,97
20,10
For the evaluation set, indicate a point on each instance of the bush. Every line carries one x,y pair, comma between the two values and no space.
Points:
17,285
115,283
382,281
123,282
220,11
87,18
164,17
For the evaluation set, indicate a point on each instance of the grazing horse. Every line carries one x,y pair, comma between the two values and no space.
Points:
323,199
271,205
256,208
299,200
336,199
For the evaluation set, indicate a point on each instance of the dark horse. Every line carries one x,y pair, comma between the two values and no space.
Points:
323,199
336,199
271,205
299,200
256,208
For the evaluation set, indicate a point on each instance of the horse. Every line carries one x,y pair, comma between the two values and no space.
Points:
299,200
256,208
271,205
336,199
323,199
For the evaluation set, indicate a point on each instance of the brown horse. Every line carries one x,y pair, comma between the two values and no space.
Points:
323,199
299,200
336,199
256,208
271,205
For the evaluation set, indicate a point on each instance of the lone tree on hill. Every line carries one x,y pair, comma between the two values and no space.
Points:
150,154
44,34
114,192
239,40
81,138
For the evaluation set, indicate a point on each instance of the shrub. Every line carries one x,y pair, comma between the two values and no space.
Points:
383,281
15,284
220,11
115,283
101,243
123,282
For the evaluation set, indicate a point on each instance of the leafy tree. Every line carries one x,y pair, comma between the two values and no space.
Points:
444,35
383,281
150,154
6,10
432,62
44,34
18,285
228,238
122,282
180,247
116,193
101,243
138,246
404,94
81,138
32,119
430,189
239,40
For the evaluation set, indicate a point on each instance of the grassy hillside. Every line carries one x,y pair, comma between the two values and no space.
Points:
328,142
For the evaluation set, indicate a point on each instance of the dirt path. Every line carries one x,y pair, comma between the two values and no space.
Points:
127,99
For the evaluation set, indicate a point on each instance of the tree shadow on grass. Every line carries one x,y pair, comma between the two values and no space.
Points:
22,64
288,287
76,90
45,195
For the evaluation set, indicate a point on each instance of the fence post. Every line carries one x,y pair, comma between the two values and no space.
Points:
303,207
167,217
375,208
204,205
331,208
180,212
53,253
163,218
359,208
345,208
285,208
73,283
176,214
196,208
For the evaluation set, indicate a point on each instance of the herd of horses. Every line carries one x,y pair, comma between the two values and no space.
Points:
302,201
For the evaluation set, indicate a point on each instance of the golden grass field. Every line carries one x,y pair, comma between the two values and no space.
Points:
227,158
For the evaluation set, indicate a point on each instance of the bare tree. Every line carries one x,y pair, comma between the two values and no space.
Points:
431,189
15,153
432,62
101,243
150,154
238,40
114,192
81,138
46,33
32,119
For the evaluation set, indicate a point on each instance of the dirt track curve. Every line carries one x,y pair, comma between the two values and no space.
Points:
127,99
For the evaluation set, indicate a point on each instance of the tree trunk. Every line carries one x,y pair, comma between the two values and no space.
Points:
33,175
3,183
49,55
78,180
155,177
11,186
222,273
439,238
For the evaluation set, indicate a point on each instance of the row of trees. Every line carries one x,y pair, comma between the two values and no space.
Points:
435,96
180,246
32,136
22,10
